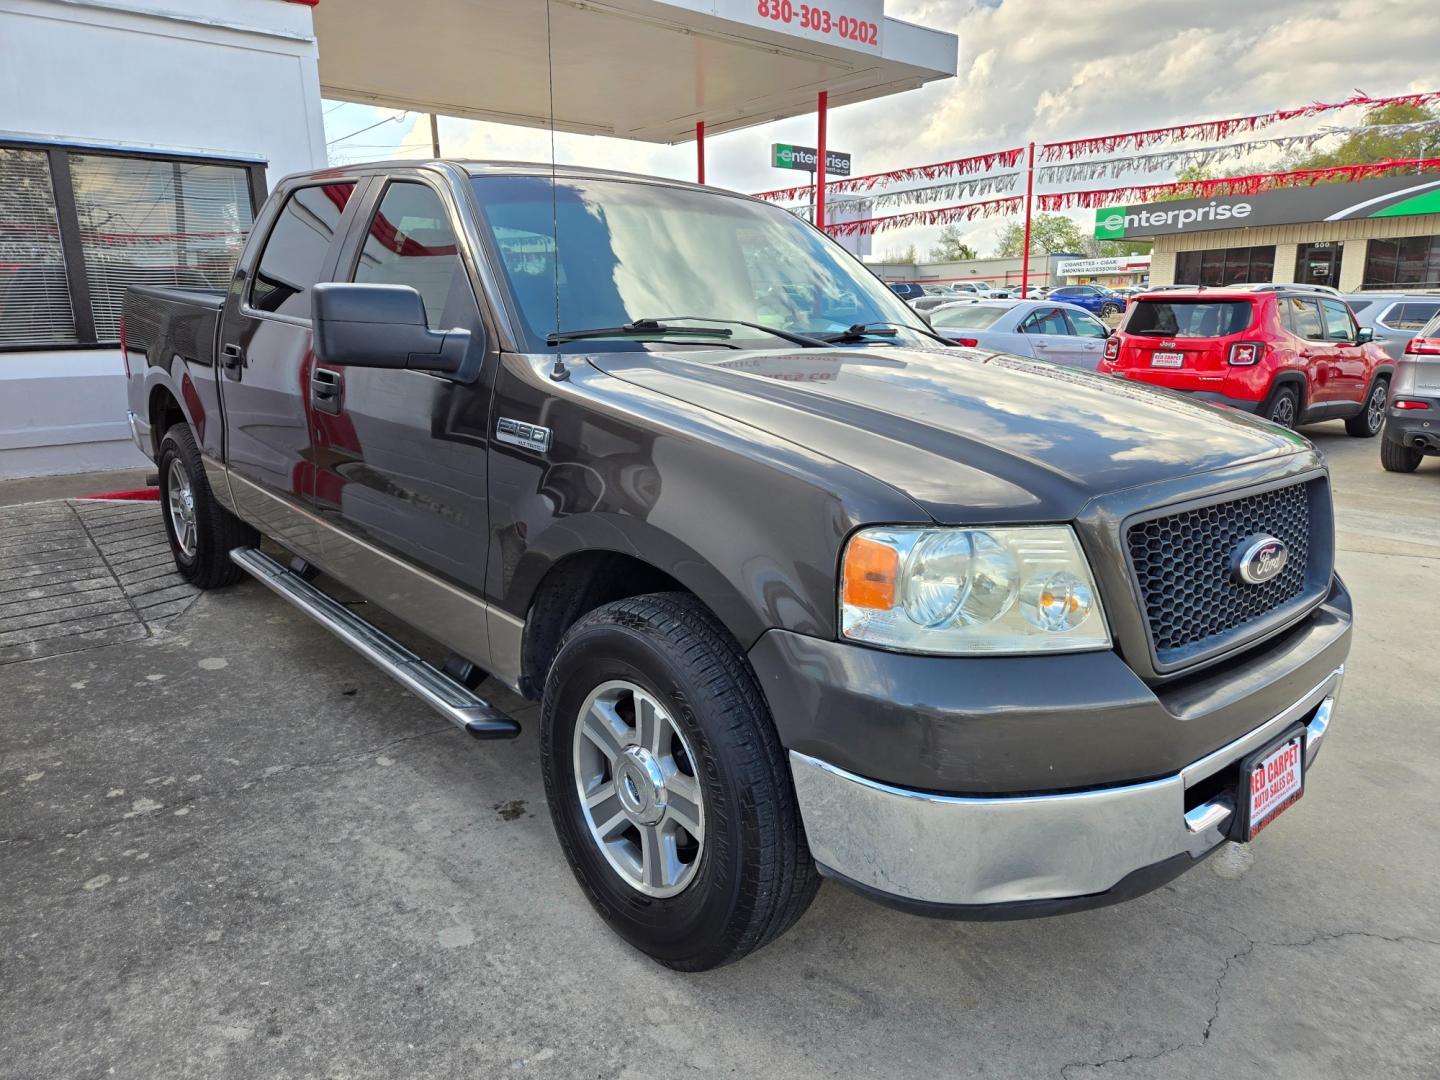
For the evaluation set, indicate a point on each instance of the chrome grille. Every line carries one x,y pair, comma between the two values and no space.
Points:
1183,565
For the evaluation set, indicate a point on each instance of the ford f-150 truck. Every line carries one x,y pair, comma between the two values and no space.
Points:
804,590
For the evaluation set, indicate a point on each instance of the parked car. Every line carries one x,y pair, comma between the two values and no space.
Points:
1096,299
1394,318
907,290
1060,333
1290,357
932,289
1412,421
930,303
740,561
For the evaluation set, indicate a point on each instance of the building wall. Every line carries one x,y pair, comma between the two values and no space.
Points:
994,271
230,78
1287,239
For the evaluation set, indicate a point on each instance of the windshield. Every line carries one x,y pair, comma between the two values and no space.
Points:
969,317
628,251
1188,318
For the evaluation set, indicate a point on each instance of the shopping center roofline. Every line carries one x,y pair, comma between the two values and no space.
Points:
638,69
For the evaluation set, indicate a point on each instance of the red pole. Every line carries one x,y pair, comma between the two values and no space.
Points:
700,151
824,106
1029,194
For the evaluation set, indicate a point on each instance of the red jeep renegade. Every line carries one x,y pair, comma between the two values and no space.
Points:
1289,356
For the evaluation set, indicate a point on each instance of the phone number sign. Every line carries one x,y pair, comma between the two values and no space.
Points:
852,24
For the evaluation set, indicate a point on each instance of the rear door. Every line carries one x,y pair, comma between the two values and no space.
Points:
265,356
402,455
1351,365
1049,335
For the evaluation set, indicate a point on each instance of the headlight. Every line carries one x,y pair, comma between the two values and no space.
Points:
966,591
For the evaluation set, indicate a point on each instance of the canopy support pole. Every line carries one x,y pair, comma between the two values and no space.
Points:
823,106
700,151
1029,197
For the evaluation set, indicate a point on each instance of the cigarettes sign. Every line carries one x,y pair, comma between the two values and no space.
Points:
785,156
1388,196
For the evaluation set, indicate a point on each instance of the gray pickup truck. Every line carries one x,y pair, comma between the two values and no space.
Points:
804,590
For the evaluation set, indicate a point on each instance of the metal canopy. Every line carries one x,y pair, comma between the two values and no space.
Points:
635,69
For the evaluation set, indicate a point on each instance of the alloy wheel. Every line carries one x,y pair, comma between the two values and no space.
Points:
1375,408
635,778
180,502
1284,411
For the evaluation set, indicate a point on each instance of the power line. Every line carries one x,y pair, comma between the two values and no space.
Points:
387,120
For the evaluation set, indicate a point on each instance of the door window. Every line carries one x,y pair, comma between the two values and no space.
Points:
1338,324
410,242
1409,316
1045,321
1303,318
296,249
1086,326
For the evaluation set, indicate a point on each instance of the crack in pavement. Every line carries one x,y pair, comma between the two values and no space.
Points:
1239,954
269,774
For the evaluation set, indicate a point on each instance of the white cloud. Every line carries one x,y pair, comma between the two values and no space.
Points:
1034,69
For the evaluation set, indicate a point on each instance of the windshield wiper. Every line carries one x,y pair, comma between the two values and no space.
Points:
861,331
652,327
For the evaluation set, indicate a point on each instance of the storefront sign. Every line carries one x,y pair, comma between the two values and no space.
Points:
851,24
785,156
1388,196
1121,264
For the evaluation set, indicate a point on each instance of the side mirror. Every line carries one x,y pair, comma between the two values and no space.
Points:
1367,333
384,326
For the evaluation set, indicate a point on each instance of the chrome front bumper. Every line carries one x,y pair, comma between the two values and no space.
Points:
927,850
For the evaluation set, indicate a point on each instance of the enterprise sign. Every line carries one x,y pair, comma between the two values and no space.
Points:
785,156
1387,196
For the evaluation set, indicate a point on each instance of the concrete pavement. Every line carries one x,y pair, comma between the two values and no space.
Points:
229,848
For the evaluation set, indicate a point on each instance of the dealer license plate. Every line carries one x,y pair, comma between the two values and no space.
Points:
1276,780
1167,359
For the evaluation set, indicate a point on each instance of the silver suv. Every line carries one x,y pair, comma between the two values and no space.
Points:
1395,317
1412,418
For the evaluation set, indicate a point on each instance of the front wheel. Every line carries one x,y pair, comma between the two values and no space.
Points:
201,531
667,784
1367,422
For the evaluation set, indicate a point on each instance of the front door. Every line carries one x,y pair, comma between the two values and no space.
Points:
1319,263
401,455
1050,337
265,359
1349,360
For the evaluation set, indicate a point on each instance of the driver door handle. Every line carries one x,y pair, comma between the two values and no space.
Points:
325,387
232,356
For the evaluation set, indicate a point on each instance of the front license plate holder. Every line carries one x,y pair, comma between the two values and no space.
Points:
1272,779
1167,359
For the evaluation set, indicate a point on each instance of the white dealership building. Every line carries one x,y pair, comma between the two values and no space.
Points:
138,138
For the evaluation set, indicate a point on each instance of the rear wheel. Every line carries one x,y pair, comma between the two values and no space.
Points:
1397,457
1283,408
1367,422
667,784
1108,309
201,531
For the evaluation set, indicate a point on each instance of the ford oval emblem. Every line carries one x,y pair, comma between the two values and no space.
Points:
1260,559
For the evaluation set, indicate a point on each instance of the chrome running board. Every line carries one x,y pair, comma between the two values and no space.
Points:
456,702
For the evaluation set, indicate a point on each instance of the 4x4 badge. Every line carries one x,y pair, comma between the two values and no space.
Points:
516,433
1259,559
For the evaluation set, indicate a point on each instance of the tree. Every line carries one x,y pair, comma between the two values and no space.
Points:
951,248
901,255
1364,147
1048,232
1105,249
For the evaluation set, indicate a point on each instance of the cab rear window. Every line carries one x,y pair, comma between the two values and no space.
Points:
1188,318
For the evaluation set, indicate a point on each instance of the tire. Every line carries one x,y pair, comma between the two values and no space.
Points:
1283,408
202,533
1397,457
1366,424
1106,310
748,875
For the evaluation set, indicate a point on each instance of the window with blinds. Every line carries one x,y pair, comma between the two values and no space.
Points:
34,289
146,222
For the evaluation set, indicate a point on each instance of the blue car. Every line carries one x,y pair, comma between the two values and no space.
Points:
906,290
1096,299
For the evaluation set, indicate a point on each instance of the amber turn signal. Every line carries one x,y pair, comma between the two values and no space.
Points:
870,572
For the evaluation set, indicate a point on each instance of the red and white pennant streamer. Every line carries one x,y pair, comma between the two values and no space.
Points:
943,215
1229,185
938,170
1216,129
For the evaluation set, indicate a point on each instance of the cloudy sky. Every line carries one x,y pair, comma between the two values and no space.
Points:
1029,69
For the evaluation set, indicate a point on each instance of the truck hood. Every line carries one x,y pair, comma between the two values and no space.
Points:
970,436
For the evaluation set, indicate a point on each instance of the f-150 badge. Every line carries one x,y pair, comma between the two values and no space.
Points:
530,436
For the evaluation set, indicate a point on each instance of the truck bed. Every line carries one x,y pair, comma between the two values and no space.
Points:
184,320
